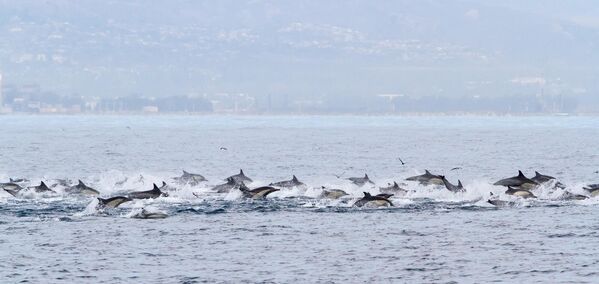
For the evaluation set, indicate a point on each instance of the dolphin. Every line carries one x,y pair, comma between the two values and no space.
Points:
385,195
395,189
166,187
145,214
81,188
360,181
540,179
11,187
225,187
374,201
427,179
18,180
288,183
593,189
572,196
518,181
451,187
519,192
500,203
333,193
240,177
153,193
40,188
189,178
256,193
113,202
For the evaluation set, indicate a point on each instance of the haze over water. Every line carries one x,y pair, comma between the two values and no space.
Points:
295,235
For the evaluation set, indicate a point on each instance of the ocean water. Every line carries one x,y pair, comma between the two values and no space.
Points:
295,235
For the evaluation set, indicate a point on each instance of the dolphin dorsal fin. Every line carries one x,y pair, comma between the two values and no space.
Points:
395,184
366,194
294,178
155,187
427,172
537,173
81,183
366,176
460,184
520,174
42,184
163,183
11,180
241,172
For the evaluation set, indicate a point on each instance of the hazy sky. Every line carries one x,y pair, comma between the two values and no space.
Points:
301,49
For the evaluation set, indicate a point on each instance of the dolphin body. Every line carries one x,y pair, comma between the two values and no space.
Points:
385,195
240,177
18,180
11,187
191,179
225,187
518,181
519,192
166,187
256,193
153,193
593,189
572,196
145,214
501,203
394,188
40,188
293,182
427,179
540,178
333,193
451,187
113,202
81,188
360,181
372,201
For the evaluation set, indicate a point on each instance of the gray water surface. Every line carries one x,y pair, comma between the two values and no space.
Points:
431,235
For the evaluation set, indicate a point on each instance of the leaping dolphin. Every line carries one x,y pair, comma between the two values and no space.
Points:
256,193
240,177
145,214
225,187
333,193
41,188
519,192
81,188
540,179
427,179
572,196
451,187
374,201
153,193
360,181
293,182
11,187
518,181
593,189
395,189
191,179
113,202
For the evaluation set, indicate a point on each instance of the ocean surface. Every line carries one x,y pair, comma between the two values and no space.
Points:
295,235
